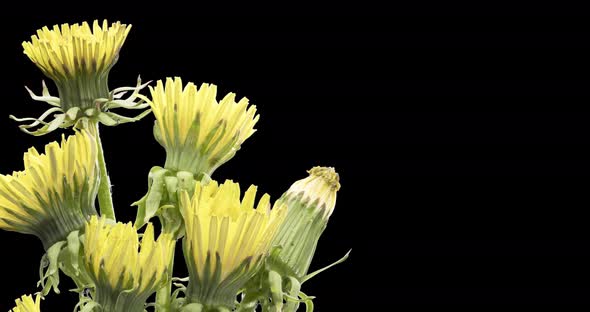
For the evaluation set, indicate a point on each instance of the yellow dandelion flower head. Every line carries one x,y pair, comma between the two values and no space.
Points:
118,262
319,188
226,238
199,133
66,52
55,193
27,304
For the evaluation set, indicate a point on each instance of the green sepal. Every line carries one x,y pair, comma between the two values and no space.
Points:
107,120
192,307
171,188
90,306
149,204
170,216
57,122
308,300
294,301
45,96
120,119
73,112
70,259
65,256
50,278
66,115
73,240
91,112
175,300
36,121
155,193
162,200
314,273
275,283
293,290
186,181
171,220
252,291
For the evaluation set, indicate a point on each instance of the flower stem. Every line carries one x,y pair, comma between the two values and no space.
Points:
105,199
163,294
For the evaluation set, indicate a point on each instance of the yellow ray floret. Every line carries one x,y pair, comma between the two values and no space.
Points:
118,262
198,132
225,238
55,193
72,50
27,304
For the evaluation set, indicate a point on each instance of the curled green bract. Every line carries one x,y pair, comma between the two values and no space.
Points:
162,197
82,117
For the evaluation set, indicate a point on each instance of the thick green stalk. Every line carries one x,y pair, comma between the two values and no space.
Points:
163,294
105,199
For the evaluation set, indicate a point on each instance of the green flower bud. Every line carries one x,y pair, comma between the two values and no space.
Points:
310,203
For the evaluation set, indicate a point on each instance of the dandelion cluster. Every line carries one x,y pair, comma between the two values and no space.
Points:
242,253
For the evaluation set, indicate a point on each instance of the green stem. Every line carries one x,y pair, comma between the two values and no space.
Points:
163,294
105,199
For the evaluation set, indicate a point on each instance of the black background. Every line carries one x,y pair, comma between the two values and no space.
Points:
460,134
